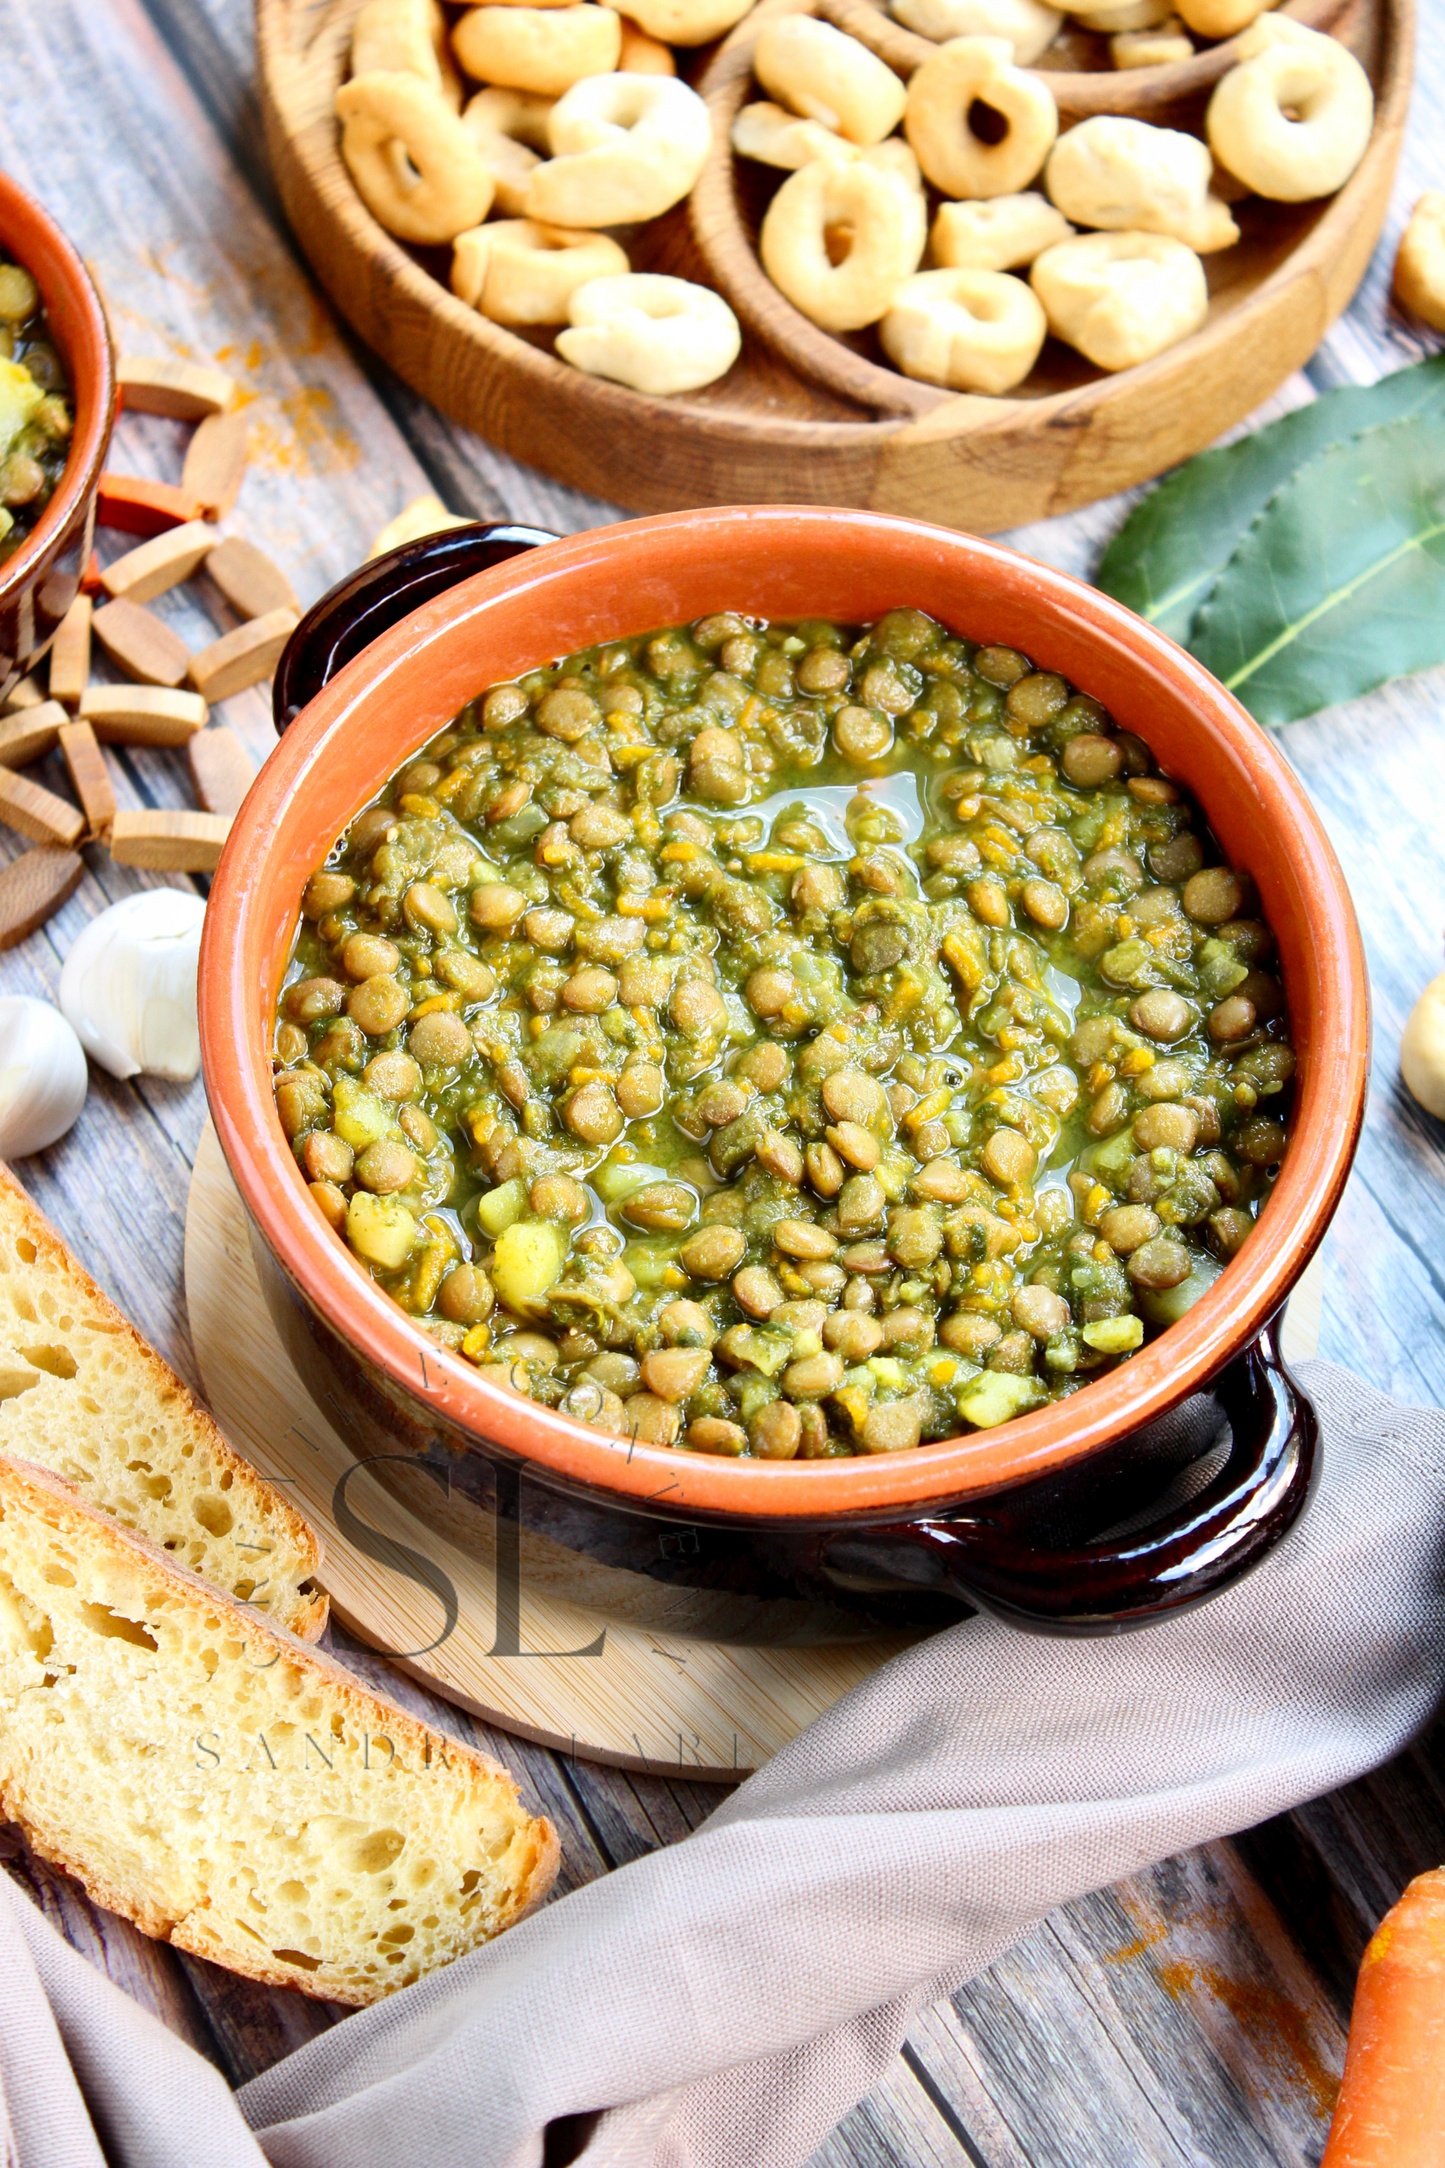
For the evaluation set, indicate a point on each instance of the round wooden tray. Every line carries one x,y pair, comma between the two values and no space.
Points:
772,431
1077,66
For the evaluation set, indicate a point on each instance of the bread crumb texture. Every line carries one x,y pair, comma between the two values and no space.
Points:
81,1393
230,1790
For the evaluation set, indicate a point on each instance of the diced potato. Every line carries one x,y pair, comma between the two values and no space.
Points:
996,1396
1114,1335
359,1117
380,1230
20,395
502,1208
530,1256
1166,1305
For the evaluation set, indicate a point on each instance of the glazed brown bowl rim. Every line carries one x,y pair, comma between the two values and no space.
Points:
92,375
240,977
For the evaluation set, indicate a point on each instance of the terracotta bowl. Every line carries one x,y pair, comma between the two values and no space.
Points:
40,581
752,1549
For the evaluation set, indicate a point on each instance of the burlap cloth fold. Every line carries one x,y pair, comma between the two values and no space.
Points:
726,2001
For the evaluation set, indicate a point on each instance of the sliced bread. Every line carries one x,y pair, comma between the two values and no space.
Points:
226,1787
81,1393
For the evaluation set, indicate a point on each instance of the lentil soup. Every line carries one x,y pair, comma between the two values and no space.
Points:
785,1040
36,417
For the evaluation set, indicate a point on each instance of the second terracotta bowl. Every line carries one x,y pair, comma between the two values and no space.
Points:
41,579
762,1549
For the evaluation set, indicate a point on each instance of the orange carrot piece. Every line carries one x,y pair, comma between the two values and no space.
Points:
1391,2111
138,506
90,580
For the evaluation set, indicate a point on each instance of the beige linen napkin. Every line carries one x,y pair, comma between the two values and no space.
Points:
721,2004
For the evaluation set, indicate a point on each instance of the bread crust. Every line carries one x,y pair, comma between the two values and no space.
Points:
28,1484
308,1611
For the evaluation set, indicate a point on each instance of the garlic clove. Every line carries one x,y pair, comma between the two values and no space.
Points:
129,985
43,1077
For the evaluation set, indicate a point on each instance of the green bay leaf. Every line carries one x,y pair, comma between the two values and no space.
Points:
1173,546
1339,584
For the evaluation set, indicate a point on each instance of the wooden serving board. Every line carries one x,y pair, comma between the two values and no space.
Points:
639,1700
772,431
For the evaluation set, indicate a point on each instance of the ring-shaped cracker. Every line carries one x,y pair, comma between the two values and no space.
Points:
776,137
1287,70
1164,46
1420,262
825,75
406,37
1029,27
1220,18
1126,176
977,331
625,148
885,222
643,55
415,166
937,123
995,233
1121,298
509,128
660,335
687,22
517,272
541,49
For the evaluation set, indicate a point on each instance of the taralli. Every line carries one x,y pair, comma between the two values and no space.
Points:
896,157
1029,27
659,335
996,234
776,137
1132,16
546,50
1125,176
1293,119
687,22
1111,15
967,330
1220,18
969,72
517,272
1121,298
1163,47
642,55
825,75
509,128
1420,263
1422,1049
405,37
885,221
415,166
625,147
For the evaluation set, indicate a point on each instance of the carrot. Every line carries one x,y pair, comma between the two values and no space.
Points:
1391,2111
137,505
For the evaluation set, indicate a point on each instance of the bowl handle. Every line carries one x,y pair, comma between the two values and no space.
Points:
378,595
1104,1588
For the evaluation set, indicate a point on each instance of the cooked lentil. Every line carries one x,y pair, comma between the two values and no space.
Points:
786,1041
35,413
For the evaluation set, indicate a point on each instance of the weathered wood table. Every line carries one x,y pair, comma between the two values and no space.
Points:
1194,2015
